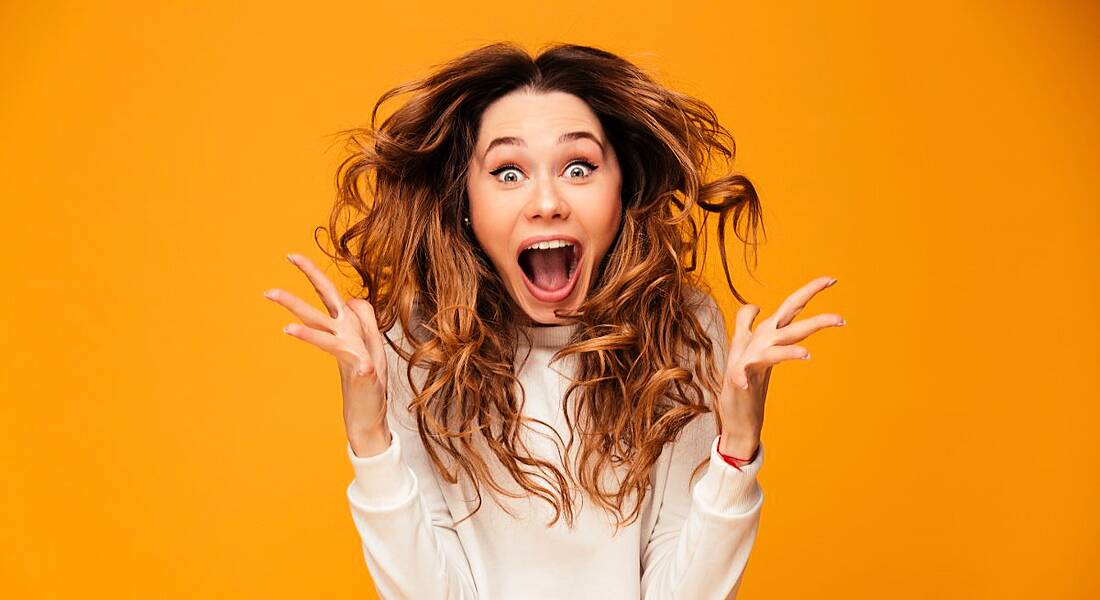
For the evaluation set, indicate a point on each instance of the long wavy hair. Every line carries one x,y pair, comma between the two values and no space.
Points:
644,363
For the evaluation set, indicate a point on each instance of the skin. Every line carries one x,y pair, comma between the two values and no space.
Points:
548,190
751,356
546,193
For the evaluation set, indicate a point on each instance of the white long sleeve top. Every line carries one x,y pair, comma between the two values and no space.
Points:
692,540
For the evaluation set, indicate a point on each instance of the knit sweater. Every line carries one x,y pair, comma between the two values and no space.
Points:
692,540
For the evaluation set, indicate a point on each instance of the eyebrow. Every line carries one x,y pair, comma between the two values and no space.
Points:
565,137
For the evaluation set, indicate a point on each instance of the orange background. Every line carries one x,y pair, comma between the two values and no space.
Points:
160,436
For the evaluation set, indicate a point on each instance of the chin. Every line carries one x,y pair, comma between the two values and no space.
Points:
545,317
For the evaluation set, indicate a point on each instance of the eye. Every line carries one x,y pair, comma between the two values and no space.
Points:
580,168
510,171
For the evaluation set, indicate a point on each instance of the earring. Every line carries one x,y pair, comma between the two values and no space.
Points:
466,221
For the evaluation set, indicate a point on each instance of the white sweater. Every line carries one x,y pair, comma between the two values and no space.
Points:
689,542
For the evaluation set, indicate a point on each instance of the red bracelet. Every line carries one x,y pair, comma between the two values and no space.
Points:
732,460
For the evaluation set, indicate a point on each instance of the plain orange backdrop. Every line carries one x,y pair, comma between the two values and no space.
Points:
160,437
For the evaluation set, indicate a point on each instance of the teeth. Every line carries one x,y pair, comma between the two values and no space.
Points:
548,245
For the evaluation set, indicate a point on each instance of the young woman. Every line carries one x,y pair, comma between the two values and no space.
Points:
533,324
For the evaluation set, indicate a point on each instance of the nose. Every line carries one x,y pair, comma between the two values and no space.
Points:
547,204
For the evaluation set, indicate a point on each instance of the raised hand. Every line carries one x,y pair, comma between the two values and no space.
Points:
750,359
349,332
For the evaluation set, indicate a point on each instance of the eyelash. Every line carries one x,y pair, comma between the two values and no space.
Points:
591,168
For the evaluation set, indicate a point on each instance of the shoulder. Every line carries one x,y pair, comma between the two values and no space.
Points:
696,438
712,322
706,310
398,340
398,345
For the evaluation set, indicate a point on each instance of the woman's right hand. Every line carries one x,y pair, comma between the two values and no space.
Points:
350,333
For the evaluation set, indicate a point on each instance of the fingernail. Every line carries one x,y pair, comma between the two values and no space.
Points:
290,257
745,386
831,282
807,357
841,322
269,294
286,330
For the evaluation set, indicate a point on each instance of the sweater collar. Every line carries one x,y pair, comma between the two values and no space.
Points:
549,336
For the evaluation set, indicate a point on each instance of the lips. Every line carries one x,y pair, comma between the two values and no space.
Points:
565,290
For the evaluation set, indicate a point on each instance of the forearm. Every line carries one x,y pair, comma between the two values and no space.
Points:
706,555
740,445
371,442
408,556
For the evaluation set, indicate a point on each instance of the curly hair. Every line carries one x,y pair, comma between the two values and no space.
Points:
644,363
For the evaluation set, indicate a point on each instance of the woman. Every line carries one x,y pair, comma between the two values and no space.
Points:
524,229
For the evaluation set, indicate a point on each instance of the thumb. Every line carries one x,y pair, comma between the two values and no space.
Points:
736,375
368,329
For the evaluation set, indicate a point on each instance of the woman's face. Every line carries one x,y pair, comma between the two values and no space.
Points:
543,171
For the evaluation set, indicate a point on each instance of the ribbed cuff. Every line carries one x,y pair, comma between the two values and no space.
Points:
384,478
725,490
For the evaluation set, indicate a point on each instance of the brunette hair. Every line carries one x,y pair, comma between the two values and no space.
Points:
645,364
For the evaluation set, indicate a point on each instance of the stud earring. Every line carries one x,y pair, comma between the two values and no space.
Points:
466,221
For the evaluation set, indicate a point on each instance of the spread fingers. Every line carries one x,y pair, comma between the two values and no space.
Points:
305,311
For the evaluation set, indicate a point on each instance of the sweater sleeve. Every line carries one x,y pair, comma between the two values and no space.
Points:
704,533
409,540
410,543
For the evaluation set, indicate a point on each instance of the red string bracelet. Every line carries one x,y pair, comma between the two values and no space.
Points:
732,460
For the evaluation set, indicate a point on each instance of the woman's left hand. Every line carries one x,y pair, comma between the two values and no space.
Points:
750,359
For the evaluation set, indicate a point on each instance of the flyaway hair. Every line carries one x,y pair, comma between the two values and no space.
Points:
645,364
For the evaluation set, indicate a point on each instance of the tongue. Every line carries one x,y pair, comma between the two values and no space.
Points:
548,268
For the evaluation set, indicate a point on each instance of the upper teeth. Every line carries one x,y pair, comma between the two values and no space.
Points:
548,245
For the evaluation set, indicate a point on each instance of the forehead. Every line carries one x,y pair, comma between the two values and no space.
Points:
534,115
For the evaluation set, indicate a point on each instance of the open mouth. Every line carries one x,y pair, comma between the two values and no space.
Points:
550,269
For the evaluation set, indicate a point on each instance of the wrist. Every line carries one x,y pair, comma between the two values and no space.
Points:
739,446
369,442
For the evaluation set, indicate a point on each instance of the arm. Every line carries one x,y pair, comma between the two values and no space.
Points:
409,540
704,532
701,542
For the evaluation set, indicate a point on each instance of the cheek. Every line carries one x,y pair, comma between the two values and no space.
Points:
603,215
492,225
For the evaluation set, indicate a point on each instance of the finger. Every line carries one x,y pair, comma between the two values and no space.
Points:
322,339
777,354
325,288
742,328
366,368
796,301
332,344
305,311
800,330
737,376
371,337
